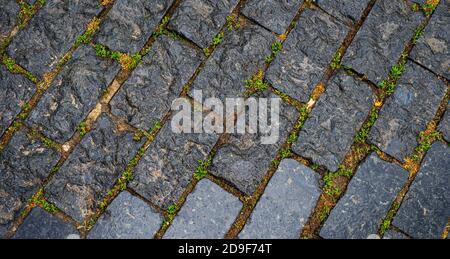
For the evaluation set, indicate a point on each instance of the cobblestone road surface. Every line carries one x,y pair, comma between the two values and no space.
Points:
87,151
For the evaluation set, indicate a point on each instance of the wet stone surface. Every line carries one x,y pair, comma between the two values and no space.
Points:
273,14
349,11
382,39
73,94
43,225
127,217
426,208
158,80
405,114
130,24
286,204
92,169
367,201
25,164
338,116
15,90
207,214
8,14
306,54
47,38
201,20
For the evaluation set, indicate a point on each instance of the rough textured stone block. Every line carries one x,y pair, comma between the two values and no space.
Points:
158,80
15,90
306,54
433,48
42,225
339,114
347,10
8,14
381,40
392,234
201,20
286,204
444,126
130,24
426,208
51,33
92,169
208,213
367,200
25,164
407,113
127,217
235,60
273,14
73,94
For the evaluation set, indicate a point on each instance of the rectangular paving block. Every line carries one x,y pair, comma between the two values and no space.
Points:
433,47
405,114
307,53
286,204
42,225
127,217
73,94
201,20
444,126
46,38
273,14
207,214
167,167
240,55
393,234
349,11
15,90
25,164
130,24
339,114
8,14
244,159
157,81
425,210
380,42
367,200
92,169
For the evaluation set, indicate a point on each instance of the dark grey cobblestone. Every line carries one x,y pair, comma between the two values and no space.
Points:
130,23
273,14
426,208
43,225
286,204
306,54
238,57
407,113
444,127
156,82
367,200
127,217
208,213
347,10
73,94
339,114
8,15
24,166
92,169
51,33
244,160
201,20
393,234
169,164
380,42
433,48
15,90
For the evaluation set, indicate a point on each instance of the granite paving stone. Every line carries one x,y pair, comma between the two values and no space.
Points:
404,115
286,204
444,126
207,214
307,53
426,208
349,11
51,33
201,20
393,234
127,217
339,114
8,15
367,200
92,169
